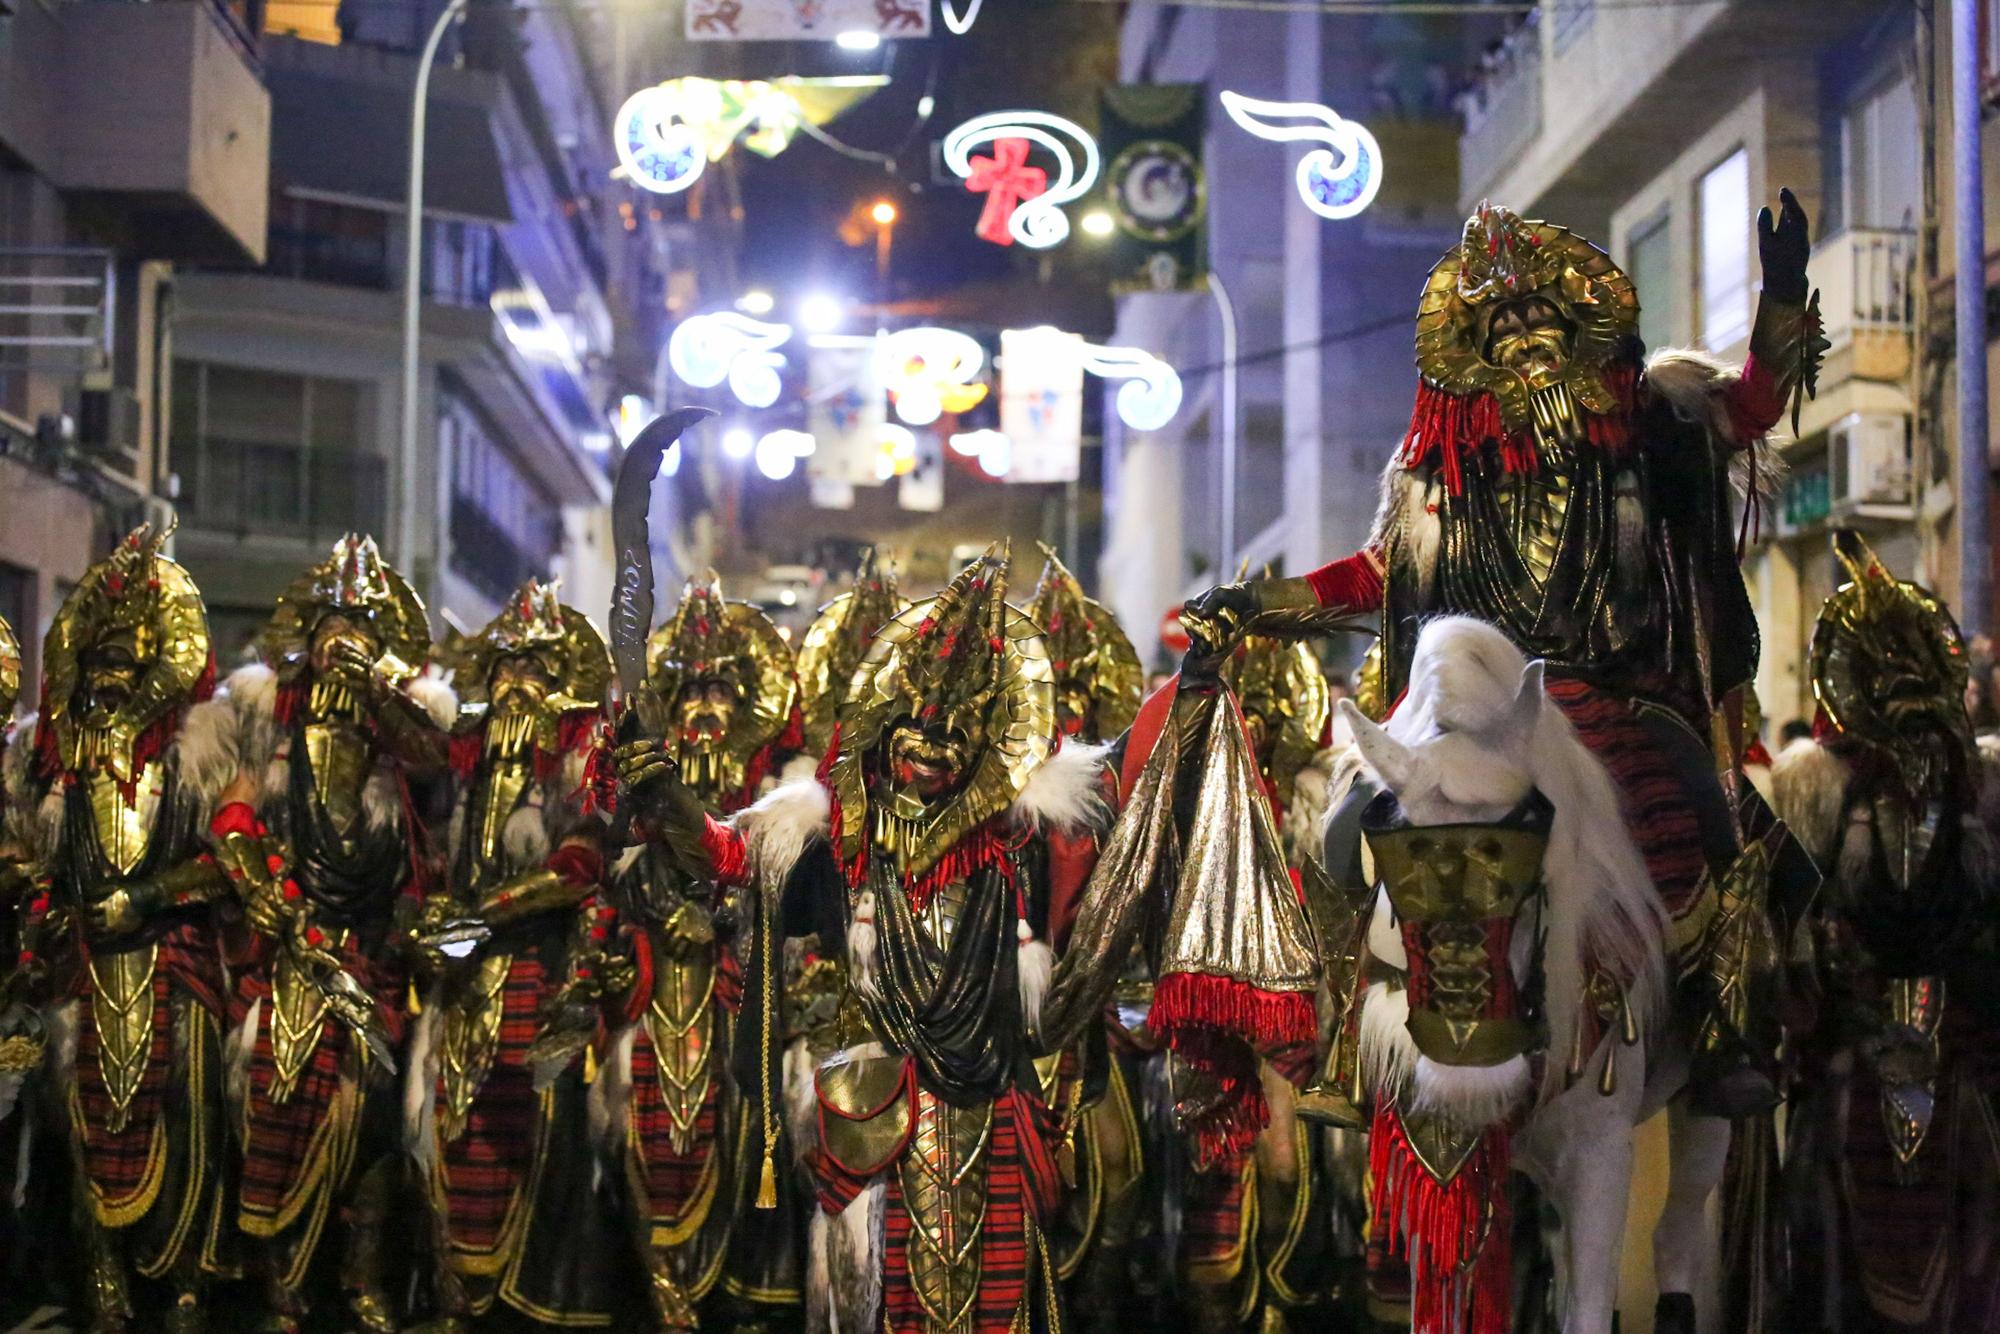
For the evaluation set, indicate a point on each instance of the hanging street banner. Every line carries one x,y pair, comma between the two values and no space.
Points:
1155,188
848,409
1041,403
922,487
804,20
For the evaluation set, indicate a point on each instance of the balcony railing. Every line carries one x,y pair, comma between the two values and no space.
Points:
56,305
1865,277
1503,112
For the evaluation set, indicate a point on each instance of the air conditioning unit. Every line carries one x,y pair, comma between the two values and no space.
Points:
107,427
1869,454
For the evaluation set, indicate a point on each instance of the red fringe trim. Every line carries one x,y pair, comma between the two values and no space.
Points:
1457,1237
1218,1025
1447,429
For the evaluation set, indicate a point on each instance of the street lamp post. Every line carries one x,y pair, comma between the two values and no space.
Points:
1975,595
1225,310
413,256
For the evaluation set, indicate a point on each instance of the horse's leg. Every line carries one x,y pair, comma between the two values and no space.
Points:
1593,1181
1683,1243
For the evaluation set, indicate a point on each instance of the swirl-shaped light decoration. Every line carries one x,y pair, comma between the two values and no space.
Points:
960,24
1038,221
1337,181
1151,394
707,349
930,371
659,151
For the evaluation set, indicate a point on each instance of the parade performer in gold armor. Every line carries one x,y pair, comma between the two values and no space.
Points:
1107,1208
1892,1155
121,932
930,1147
836,642
1562,488
328,858
510,1170
721,689
1252,1239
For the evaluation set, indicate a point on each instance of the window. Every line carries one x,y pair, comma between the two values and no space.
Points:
503,528
270,452
1725,252
1649,262
1881,151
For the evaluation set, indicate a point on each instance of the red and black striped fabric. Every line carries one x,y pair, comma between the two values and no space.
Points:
1657,807
1020,1189
280,1137
486,1168
1212,1207
672,1180
117,1162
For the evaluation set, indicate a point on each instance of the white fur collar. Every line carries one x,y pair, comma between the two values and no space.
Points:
1066,794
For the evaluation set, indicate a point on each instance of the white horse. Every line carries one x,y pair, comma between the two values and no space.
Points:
1475,736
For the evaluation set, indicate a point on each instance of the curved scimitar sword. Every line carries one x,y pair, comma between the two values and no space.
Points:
631,498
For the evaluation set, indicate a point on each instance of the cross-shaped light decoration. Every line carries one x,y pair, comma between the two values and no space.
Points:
1007,181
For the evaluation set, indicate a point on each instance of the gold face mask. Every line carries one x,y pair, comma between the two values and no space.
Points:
1531,339
518,685
109,674
929,763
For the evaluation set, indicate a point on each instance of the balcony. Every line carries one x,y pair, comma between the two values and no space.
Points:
56,308
1503,114
165,127
1865,277
280,490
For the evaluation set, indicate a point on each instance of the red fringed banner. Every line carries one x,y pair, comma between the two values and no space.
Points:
1457,1237
1218,1026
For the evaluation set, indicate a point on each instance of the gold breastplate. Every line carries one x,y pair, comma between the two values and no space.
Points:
341,756
125,829
1537,506
506,780
681,1023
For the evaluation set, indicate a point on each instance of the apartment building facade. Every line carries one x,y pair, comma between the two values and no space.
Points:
1658,131
136,140
288,374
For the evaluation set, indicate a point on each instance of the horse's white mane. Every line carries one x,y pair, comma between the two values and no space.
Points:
1473,736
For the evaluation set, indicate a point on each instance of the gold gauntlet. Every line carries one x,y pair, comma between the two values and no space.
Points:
1289,609
529,893
1787,342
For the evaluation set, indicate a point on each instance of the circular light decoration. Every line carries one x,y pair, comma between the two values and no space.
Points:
737,442
973,444
707,349
1337,181
996,454
1157,190
778,453
1022,203
930,371
659,151
895,451
1151,394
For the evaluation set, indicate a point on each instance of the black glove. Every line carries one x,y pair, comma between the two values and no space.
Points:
1217,617
1783,248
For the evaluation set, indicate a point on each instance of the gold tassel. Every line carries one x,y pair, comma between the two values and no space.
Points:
590,1064
416,1002
767,1182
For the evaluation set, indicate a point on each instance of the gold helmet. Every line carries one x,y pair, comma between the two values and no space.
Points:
145,609
947,716
1286,704
356,583
1098,677
723,674
1502,261
835,643
1888,664
574,666
10,671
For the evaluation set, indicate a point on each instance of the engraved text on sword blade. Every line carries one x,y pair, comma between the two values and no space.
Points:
631,497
